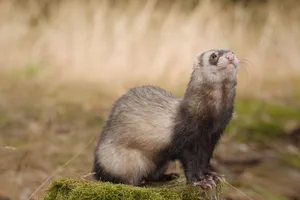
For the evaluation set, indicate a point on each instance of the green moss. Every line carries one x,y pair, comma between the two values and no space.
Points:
291,160
258,120
71,189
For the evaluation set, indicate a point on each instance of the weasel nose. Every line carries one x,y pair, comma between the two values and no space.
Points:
230,56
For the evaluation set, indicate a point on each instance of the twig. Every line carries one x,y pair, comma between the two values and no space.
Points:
10,148
241,192
87,175
61,168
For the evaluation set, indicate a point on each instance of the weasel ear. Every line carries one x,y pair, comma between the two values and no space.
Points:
198,61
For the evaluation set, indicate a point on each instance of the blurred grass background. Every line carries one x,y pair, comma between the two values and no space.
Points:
63,63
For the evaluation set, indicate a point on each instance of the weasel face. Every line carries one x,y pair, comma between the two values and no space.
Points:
217,64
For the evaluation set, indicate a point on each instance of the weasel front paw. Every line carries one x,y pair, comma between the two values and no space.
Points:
208,180
214,176
204,182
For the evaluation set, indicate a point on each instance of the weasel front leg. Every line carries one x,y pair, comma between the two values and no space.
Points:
195,160
195,169
211,172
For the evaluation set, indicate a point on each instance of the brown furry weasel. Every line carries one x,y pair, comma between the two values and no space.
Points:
148,127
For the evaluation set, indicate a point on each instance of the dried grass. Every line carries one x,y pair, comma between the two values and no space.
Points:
122,44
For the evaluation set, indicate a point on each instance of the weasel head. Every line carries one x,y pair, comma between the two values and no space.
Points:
217,65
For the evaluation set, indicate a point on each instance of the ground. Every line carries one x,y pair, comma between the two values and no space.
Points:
46,130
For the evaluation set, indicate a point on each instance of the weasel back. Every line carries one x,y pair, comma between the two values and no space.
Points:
139,126
142,118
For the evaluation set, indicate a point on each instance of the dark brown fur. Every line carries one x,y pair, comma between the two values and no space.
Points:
198,128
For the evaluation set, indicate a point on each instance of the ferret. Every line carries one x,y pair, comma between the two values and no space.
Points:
148,127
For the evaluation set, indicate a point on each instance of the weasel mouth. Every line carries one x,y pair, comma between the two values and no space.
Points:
229,67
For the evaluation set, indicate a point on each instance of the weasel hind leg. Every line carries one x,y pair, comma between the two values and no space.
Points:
160,174
101,174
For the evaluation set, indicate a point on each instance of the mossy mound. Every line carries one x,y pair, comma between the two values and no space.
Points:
76,189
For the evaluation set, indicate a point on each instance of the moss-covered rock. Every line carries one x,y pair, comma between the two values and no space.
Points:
76,189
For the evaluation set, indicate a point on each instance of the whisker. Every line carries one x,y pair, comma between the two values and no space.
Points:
245,61
246,64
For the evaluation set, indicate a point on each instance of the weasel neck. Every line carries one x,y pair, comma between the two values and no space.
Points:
208,98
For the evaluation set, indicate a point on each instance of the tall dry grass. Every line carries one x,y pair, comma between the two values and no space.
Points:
124,43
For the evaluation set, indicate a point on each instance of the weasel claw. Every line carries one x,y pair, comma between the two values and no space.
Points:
216,177
204,184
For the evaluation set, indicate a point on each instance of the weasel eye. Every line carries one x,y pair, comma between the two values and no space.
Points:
213,56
